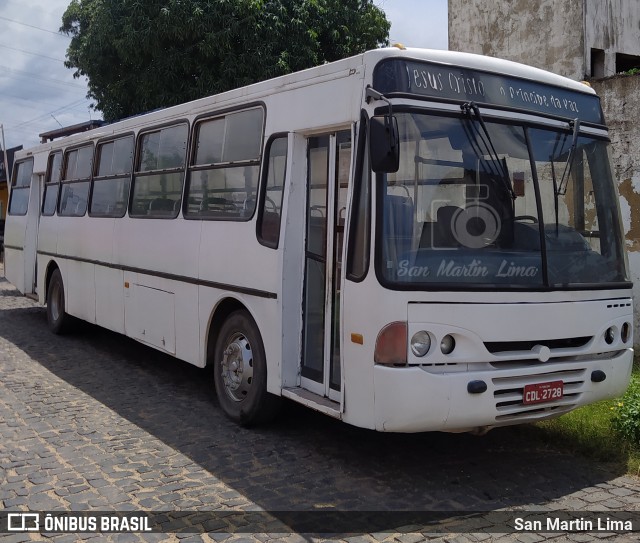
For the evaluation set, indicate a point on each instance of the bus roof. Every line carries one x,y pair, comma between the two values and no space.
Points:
479,62
323,72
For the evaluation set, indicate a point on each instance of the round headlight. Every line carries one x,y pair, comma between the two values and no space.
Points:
420,343
625,332
447,344
610,335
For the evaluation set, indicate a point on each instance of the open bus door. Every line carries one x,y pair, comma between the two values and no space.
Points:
328,170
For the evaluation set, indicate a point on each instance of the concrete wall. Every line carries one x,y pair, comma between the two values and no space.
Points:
614,27
621,104
559,36
547,34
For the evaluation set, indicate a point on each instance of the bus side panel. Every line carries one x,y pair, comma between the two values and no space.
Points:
161,301
150,312
362,314
109,282
80,289
163,313
110,298
47,243
14,264
225,258
75,239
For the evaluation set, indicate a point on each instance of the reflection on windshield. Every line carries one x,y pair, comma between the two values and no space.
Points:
467,206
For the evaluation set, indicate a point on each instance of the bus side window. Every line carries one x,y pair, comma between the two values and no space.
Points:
159,172
52,183
76,177
270,212
222,179
360,230
113,178
20,186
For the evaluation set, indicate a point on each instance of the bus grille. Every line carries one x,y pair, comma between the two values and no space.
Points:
519,346
509,391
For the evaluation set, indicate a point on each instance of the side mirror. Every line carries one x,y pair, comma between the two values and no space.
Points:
384,144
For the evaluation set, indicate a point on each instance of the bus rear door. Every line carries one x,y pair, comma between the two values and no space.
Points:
21,230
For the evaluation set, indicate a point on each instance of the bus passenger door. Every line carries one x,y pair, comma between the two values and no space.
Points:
21,230
31,235
328,165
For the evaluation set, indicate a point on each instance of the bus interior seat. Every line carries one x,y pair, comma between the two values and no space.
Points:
217,204
443,227
399,221
426,238
161,206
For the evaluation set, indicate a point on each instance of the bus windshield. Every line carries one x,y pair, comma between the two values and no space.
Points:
497,204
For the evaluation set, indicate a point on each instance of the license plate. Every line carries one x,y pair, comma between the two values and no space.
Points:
542,392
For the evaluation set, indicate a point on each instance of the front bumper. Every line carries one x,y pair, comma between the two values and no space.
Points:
413,399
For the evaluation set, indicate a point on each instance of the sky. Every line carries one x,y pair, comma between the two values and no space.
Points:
38,94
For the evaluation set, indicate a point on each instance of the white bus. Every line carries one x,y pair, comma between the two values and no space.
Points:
407,240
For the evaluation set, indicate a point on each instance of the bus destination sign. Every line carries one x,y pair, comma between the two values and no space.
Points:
466,84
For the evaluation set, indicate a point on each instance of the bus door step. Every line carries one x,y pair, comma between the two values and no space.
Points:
315,401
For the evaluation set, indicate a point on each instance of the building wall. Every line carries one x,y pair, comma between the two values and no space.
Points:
559,37
544,33
614,27
621,104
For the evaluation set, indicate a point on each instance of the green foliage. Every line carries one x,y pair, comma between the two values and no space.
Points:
626,417
633,71
139,55
606,431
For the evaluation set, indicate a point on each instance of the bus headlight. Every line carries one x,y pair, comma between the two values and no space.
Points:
420,343
610,335
625,332
447,344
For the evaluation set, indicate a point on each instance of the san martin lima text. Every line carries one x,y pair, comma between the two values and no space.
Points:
552,524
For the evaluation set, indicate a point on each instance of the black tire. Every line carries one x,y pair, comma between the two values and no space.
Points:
240,372
60,322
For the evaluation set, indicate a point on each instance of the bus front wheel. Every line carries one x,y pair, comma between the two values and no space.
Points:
58,319
240,372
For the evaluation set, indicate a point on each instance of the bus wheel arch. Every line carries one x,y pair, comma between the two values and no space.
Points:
235,349
51,267
59,321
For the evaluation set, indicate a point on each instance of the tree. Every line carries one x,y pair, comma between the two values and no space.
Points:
140,55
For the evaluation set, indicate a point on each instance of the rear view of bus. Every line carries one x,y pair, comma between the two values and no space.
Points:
498,251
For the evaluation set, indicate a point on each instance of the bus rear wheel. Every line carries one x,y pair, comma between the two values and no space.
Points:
240,372
58,319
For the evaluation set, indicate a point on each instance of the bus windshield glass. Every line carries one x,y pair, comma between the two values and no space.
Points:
479,204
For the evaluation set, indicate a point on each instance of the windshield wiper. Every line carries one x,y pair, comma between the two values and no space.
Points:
560,189
562,186
471,109
555,192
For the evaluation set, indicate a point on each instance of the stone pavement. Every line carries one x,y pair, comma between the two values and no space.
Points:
96,422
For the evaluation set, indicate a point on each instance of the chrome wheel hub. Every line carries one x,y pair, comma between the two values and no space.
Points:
237,367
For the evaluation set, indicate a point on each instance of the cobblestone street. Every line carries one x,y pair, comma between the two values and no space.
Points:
95,421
